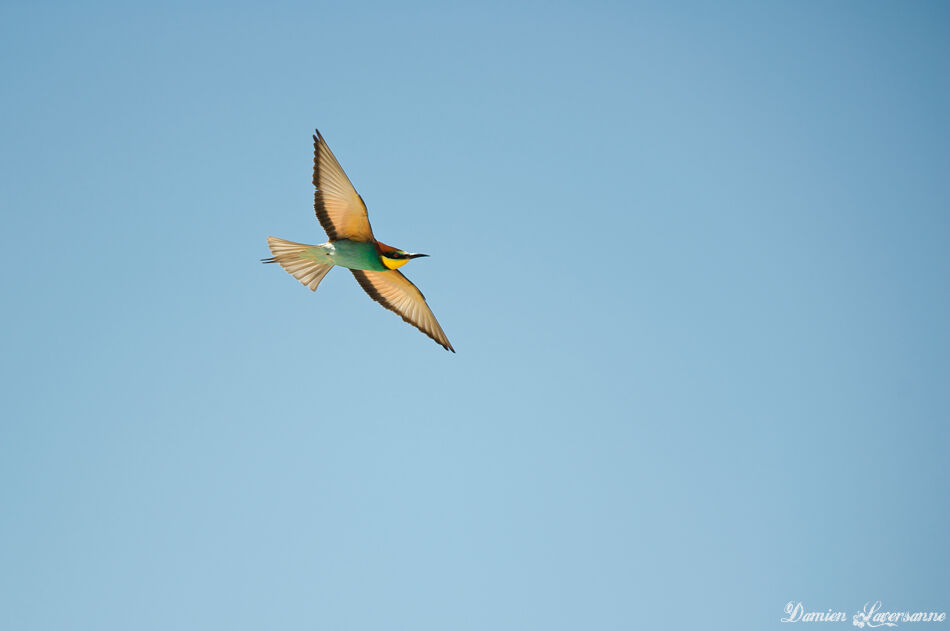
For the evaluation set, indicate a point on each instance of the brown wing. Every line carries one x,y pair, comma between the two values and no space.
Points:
394,291
339,207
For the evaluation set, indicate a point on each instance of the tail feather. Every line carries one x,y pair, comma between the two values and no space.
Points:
297,259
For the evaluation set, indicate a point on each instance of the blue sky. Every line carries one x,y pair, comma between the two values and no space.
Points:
693,259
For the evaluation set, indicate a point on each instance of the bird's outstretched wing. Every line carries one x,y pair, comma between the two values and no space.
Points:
394,291
339,207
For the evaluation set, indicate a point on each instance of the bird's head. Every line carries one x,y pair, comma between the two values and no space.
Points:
394,257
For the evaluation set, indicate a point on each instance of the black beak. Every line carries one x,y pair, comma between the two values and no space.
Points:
415,256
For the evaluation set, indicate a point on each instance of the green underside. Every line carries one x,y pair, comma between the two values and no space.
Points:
351,254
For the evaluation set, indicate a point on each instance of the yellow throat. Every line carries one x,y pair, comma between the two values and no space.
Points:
393,263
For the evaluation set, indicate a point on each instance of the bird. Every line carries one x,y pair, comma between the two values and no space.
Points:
342,213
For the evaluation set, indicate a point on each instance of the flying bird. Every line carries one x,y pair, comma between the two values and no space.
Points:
342,214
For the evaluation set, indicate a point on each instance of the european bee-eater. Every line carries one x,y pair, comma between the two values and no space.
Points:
342,214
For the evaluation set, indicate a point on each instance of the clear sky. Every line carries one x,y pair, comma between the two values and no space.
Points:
693,258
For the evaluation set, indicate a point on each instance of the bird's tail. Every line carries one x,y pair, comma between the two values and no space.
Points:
298,259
